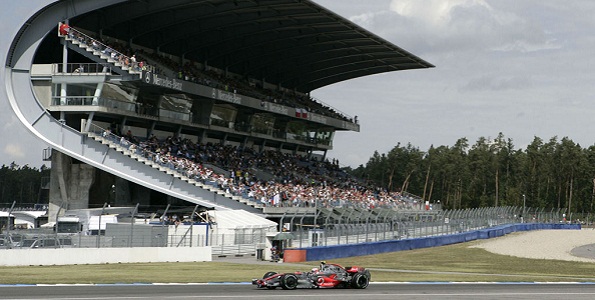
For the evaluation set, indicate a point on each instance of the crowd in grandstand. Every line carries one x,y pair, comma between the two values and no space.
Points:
189,71
284,179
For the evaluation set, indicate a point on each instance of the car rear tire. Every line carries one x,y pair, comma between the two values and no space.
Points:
289,282
360,281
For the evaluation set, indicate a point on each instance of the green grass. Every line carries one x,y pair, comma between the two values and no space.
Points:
457,263
136,273
461,263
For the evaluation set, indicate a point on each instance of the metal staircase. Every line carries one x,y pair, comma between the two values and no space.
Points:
112,141
103,54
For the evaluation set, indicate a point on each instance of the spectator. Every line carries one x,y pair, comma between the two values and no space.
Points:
63,29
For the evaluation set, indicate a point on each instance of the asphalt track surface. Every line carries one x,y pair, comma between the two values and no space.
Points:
542,291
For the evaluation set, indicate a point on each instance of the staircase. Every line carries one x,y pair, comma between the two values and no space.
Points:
136,157
103,54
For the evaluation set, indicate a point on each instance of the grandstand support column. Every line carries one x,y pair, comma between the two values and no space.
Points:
89,120
97,93
202,136
70,183
151,128
179,131
245,142
123,124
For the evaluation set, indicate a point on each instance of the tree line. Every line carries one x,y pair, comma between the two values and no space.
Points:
547,174
23,184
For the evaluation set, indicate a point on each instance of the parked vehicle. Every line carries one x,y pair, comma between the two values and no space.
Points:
326,276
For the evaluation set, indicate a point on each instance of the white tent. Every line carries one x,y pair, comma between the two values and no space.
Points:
233,219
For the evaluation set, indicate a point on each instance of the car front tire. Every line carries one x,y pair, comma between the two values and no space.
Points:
289,282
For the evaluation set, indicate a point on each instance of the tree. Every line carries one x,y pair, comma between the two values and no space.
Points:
553,175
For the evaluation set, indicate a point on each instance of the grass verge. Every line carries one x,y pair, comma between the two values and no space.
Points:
457,263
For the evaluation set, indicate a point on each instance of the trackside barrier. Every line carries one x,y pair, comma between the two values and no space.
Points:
341,251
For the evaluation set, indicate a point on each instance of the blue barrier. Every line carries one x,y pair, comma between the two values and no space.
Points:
342,251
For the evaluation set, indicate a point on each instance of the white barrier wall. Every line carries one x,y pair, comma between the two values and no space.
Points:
71,256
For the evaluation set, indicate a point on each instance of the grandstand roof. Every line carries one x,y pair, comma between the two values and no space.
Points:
295,43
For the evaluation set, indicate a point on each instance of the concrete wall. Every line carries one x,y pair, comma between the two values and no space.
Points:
72,256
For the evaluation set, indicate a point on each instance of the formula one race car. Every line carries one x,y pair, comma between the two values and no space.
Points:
327,276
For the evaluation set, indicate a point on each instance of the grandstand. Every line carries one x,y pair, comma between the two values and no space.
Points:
188,103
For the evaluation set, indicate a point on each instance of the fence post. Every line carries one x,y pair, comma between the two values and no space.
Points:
132,223
99,226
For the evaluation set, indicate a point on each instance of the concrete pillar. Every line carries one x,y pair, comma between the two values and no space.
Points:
81,179
56,192
69,184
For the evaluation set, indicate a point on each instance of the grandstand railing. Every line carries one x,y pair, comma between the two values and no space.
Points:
332,108
81,69
106,52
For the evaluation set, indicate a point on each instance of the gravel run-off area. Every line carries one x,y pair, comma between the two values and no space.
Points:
571,245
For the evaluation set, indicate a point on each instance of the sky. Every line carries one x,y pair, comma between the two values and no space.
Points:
522,68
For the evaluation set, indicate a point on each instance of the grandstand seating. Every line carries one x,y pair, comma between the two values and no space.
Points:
284,180
189,72
278,191
115,143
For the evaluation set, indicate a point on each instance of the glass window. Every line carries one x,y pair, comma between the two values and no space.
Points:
119,92
263,123
178,103
223,115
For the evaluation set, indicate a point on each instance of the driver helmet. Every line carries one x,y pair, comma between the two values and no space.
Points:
315,270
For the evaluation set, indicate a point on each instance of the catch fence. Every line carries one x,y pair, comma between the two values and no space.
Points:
361,226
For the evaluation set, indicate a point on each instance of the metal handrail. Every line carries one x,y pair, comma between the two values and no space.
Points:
124,60
81,69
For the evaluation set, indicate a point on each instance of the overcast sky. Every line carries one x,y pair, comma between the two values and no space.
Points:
522,68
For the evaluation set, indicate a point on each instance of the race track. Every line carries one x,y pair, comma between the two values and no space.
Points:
470,291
